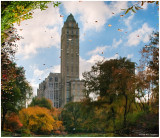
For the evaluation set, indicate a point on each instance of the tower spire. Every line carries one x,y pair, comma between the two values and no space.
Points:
70,18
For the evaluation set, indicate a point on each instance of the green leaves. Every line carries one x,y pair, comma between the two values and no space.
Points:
128,10
17,11
56,4
138,6
41,102
133,10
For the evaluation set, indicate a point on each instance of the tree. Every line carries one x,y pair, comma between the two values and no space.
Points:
112,80
41,102
17,11
39,120
15,90
149,67
71,116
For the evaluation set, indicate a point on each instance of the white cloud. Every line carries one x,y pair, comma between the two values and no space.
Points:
140,35
113,57
127,22
94,11
116,6
95,58
98,50
102,49
42,31
129,56
115,43
56,69
85,65
145,6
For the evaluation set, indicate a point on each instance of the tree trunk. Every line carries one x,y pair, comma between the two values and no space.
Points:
125,112
113,118
3,118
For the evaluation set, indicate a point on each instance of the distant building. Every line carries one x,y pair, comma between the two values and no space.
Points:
51,89
76,90
68,86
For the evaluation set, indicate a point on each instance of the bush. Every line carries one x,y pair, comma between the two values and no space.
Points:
12,122
39,120
25,132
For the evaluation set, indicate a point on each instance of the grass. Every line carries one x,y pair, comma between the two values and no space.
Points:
10,134
90,135
6,134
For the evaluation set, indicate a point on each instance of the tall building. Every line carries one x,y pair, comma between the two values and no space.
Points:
69,56
71,86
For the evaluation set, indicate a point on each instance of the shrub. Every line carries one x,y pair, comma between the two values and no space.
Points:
39,120
12,122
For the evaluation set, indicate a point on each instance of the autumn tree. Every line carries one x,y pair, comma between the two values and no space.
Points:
16,12
149,68
46,103
15,90
39,120
79,117
112,80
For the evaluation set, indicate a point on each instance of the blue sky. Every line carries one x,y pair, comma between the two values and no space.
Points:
104,34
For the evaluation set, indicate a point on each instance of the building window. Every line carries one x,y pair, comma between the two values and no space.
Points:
50,84
77,32
50,79
51,95
67,69
73,86
55,85
72,32
67,51
56,79
72,69
78,87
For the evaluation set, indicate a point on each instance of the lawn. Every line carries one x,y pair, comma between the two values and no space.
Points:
10,134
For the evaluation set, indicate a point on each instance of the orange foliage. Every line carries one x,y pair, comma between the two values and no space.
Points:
39,119
56,112
12,122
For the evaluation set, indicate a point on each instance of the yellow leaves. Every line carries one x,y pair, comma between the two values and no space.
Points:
15,15
120,30
18,7
109,25
39,118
